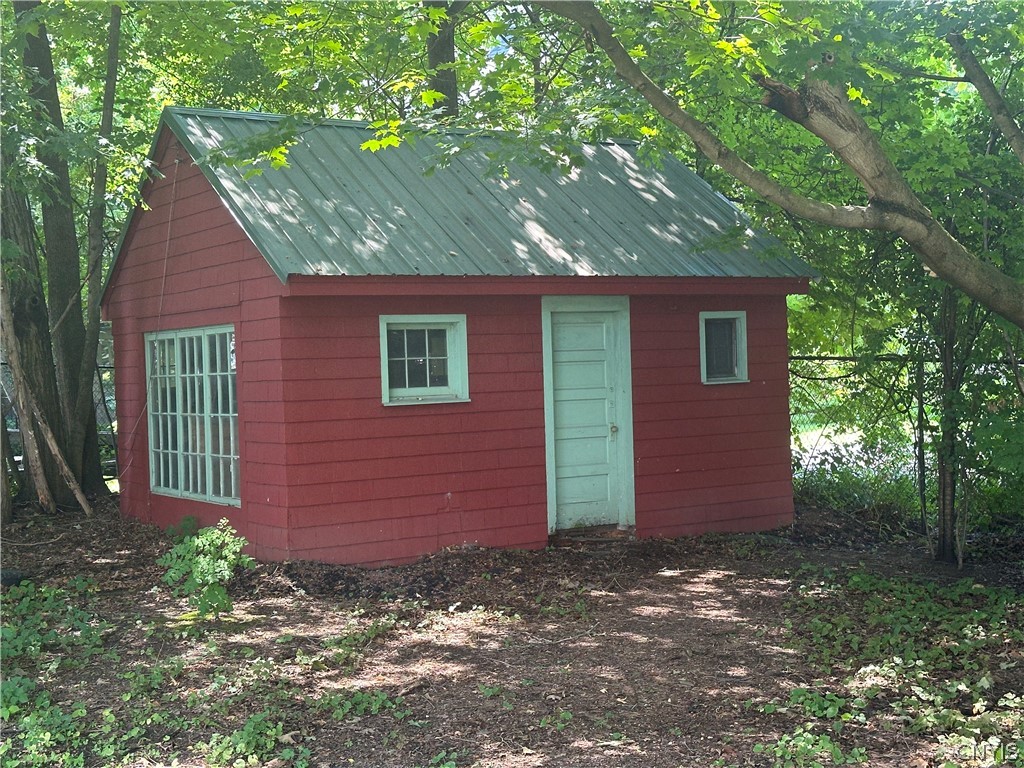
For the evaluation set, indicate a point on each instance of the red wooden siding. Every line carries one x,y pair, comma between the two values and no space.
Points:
200,270
376,483
709,457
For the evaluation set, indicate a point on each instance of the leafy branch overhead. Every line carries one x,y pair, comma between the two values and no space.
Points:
825,110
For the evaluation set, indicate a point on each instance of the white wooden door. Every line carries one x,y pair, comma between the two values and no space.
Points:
589,412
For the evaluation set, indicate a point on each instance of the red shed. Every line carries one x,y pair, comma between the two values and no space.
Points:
358,361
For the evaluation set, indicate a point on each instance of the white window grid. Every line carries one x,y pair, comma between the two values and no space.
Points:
193,414
443,365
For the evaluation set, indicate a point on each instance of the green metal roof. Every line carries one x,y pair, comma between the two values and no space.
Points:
337,209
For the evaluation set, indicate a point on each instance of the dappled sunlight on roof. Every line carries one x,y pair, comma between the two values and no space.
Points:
336,209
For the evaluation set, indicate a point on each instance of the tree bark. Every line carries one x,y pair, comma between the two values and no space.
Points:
823,111
946,528
27,342
7,492
441,56
995,102
71,350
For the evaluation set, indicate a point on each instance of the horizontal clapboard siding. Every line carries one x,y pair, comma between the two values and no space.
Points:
200,270
388,483
709,457
330,473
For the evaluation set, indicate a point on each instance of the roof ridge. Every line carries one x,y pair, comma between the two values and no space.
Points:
485,133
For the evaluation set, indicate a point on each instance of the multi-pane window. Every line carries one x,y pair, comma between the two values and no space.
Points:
423,358
723,347
193,414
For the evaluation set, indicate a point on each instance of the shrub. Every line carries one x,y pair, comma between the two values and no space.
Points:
200,566
853,478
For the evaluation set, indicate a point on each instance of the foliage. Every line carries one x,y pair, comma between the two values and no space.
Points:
853,479
44,621
186,527
444,759
255,743
558,720
200,567
47,629
360,703
939,657
346,649
805,747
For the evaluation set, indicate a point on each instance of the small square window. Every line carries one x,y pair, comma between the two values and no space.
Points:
723,347
423,359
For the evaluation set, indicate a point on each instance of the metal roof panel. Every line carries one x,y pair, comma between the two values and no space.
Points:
337,209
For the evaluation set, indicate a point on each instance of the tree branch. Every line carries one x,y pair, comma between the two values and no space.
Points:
987,90
826,112
847,216
899,69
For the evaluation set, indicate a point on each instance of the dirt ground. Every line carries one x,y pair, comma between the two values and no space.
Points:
596,653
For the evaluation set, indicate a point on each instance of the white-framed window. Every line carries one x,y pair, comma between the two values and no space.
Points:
193,414
723,347
423,359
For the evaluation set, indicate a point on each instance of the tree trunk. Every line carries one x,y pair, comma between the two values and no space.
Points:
27,341
71,348
945,545
7,492
949,426
441,56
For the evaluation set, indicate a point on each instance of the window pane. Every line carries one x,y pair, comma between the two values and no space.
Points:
396,344
417,343
417,373
438,372
396,373
720,348
437,339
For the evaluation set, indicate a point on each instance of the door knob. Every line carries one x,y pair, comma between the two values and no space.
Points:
615,428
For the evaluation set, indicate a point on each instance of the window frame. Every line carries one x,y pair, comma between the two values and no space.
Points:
457,390
741,374
178,449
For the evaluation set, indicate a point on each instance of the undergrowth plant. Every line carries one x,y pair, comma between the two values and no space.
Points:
258,741
855,479
201,565
937,660
46,630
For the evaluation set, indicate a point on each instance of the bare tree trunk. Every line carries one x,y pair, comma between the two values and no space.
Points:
33,456
27,342
7,492
919,450
29,413
946,526
441,56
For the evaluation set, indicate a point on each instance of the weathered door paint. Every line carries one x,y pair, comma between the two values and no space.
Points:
588,412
